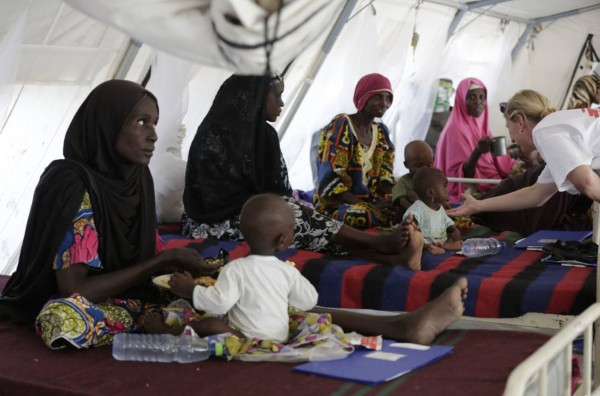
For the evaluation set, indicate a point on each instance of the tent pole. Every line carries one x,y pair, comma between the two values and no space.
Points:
596,239
316,65
588,41
473,8
548,18
521,41
128,58
464,8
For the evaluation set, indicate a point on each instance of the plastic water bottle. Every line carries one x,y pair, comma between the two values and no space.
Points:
216,345
477,247
160,348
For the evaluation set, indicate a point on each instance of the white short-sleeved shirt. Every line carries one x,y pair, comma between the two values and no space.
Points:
433,223
254,292
568,139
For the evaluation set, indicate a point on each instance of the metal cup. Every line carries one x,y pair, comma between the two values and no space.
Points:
499,146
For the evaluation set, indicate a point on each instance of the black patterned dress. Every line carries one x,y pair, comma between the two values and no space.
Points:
235,155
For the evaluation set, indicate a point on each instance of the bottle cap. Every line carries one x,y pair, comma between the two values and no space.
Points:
218,349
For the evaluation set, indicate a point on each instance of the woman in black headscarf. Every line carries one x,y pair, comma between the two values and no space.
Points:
91,233
236,154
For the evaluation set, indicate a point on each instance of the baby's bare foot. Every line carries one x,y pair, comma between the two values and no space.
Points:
435,250
452,245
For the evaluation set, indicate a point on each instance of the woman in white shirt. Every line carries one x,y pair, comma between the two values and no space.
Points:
569,142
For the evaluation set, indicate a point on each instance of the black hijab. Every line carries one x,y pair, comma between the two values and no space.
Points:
121,193
235,153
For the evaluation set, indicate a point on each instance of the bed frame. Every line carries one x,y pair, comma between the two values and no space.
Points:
535,368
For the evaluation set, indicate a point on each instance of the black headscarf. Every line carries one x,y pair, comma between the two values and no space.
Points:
235,153
121,194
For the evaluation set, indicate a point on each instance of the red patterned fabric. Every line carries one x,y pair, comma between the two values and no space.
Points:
509,284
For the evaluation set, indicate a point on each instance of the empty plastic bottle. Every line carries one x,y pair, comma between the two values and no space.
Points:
477,247
160,348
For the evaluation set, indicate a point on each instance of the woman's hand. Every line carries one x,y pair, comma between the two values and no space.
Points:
184,259
468,207
386,207
484,145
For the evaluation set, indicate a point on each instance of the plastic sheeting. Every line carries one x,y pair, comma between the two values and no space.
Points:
230,34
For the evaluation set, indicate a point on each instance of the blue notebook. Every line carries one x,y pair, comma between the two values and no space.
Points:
539,239
374,367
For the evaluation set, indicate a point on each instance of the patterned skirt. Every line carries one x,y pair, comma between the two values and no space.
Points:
76,321
313,231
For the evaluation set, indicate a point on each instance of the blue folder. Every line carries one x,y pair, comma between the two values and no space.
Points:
374,367
539,239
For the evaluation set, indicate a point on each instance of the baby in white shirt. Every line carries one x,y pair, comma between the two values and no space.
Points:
253,292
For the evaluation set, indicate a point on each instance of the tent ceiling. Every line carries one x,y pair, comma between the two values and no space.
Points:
520,10
87,45
528,9
60,44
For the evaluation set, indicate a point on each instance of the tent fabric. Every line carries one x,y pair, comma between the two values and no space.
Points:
230,34
64,53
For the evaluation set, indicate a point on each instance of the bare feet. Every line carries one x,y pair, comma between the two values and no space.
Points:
420,327
409,255
403,246
395,241
412,252
427,322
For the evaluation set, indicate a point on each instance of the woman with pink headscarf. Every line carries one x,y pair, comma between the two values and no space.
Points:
464,147
356,159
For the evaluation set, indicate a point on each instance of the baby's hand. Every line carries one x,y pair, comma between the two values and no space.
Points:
182,284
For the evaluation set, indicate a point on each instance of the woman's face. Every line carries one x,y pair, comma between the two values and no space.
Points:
378,104
274,101
135,143
476,101
520,135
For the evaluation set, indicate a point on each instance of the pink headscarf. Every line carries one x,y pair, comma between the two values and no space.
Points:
458,140
369,86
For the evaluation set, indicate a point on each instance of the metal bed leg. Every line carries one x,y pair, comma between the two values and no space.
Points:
596,352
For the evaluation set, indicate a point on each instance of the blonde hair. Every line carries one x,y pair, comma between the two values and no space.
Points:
530,104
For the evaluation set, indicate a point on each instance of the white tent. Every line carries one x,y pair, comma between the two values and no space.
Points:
52,53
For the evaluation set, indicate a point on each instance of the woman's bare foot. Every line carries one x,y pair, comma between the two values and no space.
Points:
427,322
396,240
410,255
421,326
153,323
